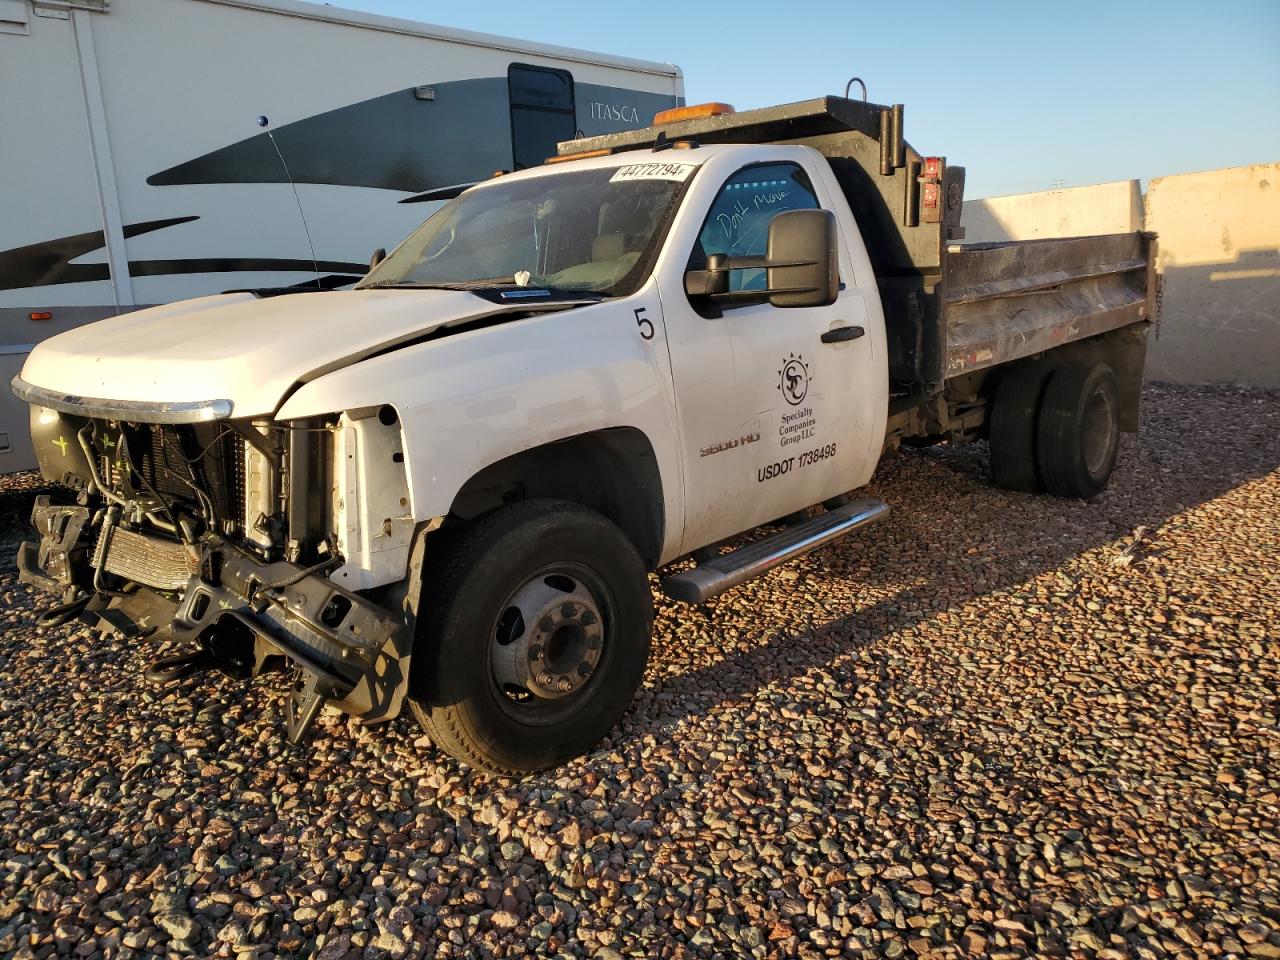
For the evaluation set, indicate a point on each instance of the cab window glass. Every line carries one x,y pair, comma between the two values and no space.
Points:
738,222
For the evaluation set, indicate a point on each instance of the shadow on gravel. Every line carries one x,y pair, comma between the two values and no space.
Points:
952,538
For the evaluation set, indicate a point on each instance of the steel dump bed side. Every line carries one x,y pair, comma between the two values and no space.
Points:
951,310
1005,301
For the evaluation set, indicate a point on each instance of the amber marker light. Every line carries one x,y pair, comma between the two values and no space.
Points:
696,112
602,152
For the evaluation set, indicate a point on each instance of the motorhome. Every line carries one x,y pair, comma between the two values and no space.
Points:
167,149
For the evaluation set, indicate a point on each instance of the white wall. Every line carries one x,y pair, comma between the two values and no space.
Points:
1074,212
1219,256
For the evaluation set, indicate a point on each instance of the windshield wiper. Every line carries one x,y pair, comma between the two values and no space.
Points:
444,284
410,285
490,283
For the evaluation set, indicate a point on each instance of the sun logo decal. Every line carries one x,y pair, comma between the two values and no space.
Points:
793,379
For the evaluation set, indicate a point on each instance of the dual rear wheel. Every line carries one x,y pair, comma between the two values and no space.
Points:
1055,428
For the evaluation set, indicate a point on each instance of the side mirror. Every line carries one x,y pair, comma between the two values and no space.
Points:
378,256
800,265
712,281
801,262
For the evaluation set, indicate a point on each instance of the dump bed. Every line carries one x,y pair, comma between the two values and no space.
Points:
1005,301
950,309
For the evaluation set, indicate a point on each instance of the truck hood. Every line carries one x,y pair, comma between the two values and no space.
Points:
240,348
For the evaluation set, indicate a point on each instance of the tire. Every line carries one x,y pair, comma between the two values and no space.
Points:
1012,429
1079,430
488,684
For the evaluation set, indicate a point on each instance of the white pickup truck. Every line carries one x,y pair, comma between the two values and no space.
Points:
447,486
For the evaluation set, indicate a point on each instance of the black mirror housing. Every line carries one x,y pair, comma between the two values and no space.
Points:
801,265
378,256
801,261
712,281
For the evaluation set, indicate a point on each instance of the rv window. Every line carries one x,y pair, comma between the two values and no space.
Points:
542,112
13,17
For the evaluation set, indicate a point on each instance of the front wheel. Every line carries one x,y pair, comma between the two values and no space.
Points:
535,637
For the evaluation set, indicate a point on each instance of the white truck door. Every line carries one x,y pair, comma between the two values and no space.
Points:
769,413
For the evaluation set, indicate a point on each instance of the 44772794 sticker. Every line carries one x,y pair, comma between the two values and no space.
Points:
655,170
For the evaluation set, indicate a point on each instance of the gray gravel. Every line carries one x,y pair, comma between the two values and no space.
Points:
996,725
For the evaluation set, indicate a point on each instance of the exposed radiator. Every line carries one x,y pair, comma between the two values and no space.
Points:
157,563
181,456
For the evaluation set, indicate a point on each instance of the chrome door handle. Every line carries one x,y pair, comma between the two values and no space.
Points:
841,334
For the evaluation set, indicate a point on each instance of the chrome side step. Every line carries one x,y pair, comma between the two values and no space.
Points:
716,576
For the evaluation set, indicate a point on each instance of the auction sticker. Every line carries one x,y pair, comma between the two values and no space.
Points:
654,171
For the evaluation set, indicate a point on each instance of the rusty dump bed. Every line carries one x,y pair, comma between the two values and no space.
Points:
1005,301
950,309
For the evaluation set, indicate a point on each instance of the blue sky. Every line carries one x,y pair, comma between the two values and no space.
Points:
1025,95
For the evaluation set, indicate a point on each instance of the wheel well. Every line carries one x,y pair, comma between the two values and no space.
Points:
614,472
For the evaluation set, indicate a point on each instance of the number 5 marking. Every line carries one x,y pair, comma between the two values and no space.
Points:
644,323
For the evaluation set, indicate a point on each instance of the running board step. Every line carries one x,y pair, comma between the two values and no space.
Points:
716,576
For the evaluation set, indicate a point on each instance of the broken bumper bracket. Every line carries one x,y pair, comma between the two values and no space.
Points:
305,700
333,635
241,611
58,561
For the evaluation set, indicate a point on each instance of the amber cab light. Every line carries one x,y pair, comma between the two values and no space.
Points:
695,112
583,155
41,315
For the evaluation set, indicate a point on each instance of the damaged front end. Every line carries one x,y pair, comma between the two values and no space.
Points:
250,544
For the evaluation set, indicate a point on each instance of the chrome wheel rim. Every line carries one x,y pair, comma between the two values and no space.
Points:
547,642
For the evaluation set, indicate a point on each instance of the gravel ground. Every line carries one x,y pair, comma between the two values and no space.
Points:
996,725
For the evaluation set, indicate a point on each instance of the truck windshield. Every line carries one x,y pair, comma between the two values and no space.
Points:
589,231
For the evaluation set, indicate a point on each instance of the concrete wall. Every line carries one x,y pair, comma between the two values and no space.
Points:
1220,256
1074,212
